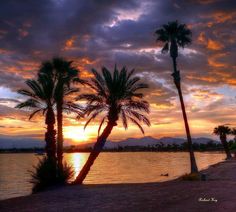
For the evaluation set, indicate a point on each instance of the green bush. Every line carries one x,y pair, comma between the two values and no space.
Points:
233,147
46,174
191,177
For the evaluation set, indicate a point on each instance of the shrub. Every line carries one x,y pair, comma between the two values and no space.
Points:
46,174
233,147
191,177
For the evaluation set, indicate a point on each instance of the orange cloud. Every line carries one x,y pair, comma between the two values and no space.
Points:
214,45
209,43
202,38
213,61
69,42
210,79
221,17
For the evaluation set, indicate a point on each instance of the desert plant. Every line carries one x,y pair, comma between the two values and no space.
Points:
46,174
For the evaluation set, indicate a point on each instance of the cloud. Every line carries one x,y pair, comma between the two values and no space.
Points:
96,33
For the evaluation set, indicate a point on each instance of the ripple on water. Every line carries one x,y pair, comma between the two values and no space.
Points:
128,167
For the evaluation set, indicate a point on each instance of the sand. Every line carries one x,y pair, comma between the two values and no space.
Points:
218,193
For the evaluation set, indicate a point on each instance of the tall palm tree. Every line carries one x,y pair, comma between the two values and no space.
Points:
115,95
175,35
63,73
40,99
223,131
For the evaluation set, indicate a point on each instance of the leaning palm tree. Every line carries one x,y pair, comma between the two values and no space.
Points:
115,96
63,74
223,131
175,35
40,99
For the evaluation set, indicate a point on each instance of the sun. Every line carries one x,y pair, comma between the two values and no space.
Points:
77,134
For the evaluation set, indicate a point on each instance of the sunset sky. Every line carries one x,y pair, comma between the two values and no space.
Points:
105,33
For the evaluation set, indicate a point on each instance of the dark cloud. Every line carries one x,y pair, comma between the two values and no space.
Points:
7,100
96,33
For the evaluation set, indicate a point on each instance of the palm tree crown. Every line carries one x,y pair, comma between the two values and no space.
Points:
233,131
173,35
40,95
222,130
116,95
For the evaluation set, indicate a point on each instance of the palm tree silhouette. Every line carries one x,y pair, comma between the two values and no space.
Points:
233,132
176,35
40,99
116,95
223,131
63,73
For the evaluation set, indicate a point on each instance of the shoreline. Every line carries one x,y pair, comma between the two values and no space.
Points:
113,151
217,193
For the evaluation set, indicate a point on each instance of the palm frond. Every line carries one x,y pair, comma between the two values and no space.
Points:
26,93
139,117
93,116
30,103
36,88
34,113
165,49
138,105
136,123
100,126
124,119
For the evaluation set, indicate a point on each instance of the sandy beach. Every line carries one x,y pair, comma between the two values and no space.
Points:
218,193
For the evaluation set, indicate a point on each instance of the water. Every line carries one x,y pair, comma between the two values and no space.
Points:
132,167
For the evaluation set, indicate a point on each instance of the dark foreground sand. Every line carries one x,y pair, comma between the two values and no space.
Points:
168,196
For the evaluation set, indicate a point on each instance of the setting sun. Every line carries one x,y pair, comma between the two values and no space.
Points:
77,134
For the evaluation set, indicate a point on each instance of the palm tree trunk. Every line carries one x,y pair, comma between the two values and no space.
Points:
176,76
101,140
59,134
226,147
50,135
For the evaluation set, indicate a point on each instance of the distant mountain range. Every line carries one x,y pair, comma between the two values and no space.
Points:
145,141
7,142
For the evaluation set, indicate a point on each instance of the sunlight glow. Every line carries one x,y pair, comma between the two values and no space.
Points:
77,134
76,160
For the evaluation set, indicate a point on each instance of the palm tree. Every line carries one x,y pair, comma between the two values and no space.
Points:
116,95
223,131
63,74
233,132
175,35
40,99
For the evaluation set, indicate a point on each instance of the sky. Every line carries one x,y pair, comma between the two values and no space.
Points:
104,33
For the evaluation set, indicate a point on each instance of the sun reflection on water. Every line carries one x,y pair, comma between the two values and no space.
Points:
76,160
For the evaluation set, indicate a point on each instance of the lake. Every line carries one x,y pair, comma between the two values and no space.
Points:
115,167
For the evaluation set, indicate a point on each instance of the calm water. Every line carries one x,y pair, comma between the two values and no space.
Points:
135,167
